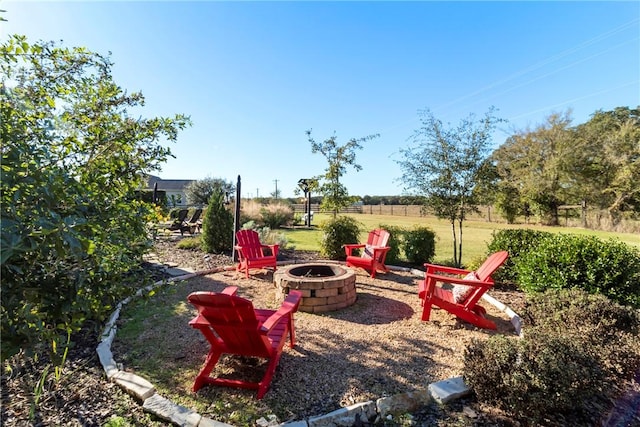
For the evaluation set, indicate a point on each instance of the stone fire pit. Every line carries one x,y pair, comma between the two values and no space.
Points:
324,287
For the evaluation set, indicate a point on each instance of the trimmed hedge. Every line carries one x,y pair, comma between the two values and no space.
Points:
562,261
419,245
337,232
517,242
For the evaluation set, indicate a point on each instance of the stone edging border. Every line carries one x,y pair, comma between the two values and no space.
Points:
442,391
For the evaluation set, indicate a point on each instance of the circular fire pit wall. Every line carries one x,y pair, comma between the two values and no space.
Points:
324,287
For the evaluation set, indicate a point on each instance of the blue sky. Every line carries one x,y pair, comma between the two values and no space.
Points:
254,76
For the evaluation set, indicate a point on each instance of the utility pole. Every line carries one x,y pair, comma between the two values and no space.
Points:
236,221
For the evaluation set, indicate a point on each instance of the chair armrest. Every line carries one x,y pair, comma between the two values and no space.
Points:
351,246
433,268
459,281
198,321
273,248
230,290
382,249
288,307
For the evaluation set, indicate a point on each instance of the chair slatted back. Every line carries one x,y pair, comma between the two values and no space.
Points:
182,214
196,216
491,264
233,320
377,238
250,242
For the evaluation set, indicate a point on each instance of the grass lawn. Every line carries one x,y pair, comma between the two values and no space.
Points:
475,234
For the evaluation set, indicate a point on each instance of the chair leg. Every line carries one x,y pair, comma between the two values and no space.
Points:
292,334
263,385
426,310
475,319
209,364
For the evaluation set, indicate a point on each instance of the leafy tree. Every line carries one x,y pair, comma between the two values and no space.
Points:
199,192
539,164
336,196
217,226
72,159
607,160
508,202
446,164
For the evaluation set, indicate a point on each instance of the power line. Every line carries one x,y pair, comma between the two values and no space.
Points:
549,60
600,92
538,65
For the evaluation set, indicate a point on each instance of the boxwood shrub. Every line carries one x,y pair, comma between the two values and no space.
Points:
517,242
562,261
396,237
337,232
610,329
419,245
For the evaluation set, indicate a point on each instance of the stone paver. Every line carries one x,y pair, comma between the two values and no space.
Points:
347,417
134,385
447,390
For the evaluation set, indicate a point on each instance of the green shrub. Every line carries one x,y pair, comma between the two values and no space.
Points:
189,243
517,242
275,215
597,323
532,377
559,261
576,349
217,226
419,245
337,232
395,242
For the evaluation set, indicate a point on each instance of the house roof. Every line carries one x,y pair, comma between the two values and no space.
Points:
168,184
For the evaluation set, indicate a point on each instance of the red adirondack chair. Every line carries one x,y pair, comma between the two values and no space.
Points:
373,253
462,300
252,253
233,326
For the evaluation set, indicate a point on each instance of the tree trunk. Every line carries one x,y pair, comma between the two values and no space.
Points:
455,246
459,260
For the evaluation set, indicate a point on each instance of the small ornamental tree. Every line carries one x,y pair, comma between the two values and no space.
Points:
335,194
446,164
217,226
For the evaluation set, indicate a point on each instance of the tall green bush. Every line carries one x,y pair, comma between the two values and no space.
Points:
394,243
517,242
217,226
562,261
419,245
337,232
73,230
